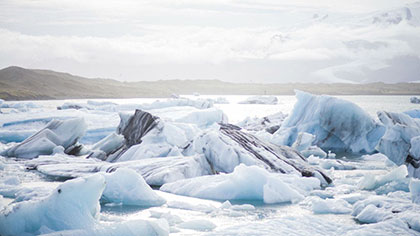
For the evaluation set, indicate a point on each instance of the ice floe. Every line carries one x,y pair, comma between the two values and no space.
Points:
337,124
57,133
246,182
73,205
228,146
129,188
271,100
396,144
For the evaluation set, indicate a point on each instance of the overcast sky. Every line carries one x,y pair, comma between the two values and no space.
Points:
264,41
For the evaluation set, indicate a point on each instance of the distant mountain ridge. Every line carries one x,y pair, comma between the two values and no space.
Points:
18,83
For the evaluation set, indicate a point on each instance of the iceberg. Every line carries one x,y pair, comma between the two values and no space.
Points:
415,100
107,146
198,225
127,228
158,171
271,100
64,133
303,141
373,214
400,140
414,113
204,118
338,125
133,128
246,183
129,188
330,206
269,123
228,146
198,103
73,208
89,105
376,209
415,190
73,205
155,171
315,151
371,182
147,136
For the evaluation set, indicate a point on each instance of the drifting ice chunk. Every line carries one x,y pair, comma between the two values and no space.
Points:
303,141
373,214
385,208
57,133
73,205
401,128
414,100
315,151
337,124
229,146
204,118
156,171
415,113
107,145
199,103
246,183
20,106
371,182
396,142
271,100
221,100
199,225
415,147
327,206
133,128
415,190
127,228
269,123
129,188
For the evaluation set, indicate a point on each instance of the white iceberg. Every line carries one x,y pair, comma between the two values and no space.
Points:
271,100
57,133
107,145
127,228
400,140
415,100
198,225
337,124
269,123
330,206
415,190
414,113
197,103
129,188
204,118
303,141
246,183
155,171
373,214
73,205
228,146
371,182
415,147
315,151
387,208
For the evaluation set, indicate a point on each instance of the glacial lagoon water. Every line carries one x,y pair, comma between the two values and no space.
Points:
265,219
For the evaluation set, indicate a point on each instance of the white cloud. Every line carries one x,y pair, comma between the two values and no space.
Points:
229,40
